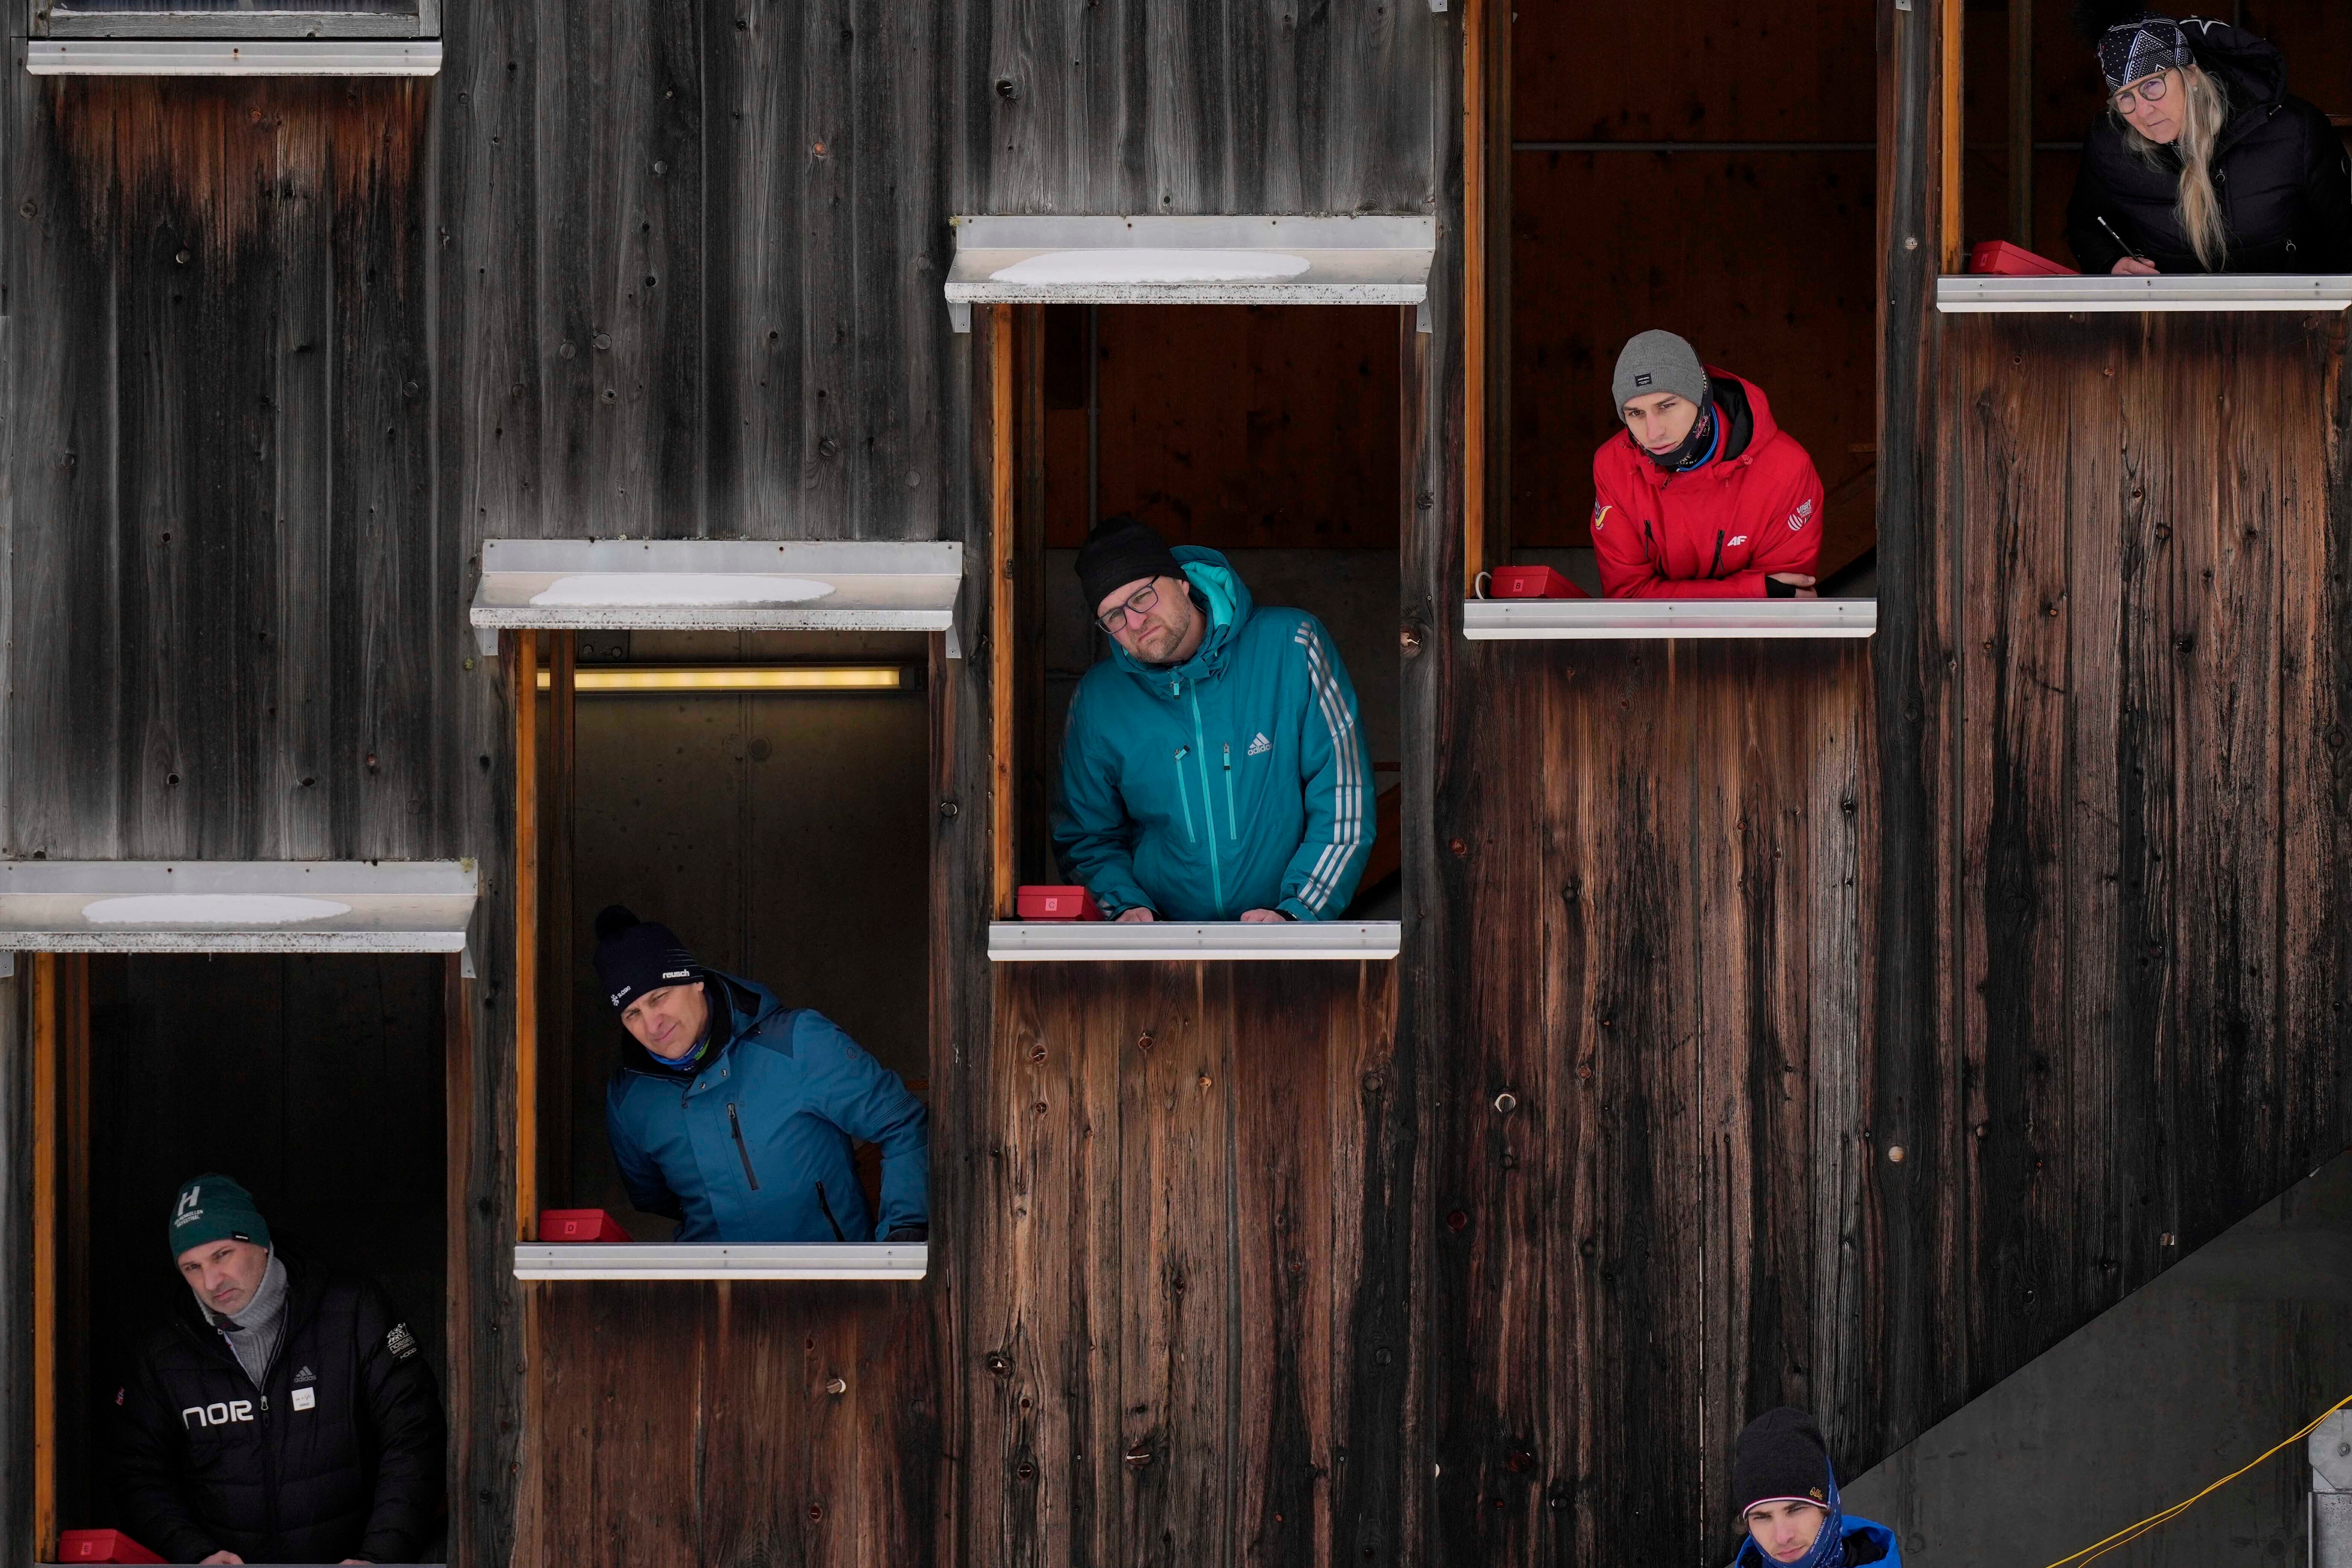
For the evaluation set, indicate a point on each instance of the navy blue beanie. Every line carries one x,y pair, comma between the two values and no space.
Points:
634,956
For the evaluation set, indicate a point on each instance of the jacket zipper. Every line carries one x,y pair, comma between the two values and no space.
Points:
1233,818
1200,757
736,1123
1716,564
828,1215
1185,795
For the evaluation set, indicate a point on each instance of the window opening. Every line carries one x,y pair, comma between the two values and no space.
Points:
1269,433
2031,222
317,1079
1692,155
764,795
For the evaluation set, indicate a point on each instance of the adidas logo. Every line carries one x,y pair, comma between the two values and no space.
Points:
305,1376
1260,746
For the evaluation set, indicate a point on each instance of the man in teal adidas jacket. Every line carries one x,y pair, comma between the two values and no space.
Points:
1213,768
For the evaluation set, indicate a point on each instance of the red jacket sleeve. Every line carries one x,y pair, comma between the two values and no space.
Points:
1627,570
1790,527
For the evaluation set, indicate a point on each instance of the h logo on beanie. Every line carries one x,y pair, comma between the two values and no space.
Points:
188,1209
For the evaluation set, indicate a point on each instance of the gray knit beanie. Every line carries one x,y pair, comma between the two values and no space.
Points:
1658,361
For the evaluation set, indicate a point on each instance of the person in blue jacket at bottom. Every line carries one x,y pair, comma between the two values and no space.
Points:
1787,1498
733,1114
1213,768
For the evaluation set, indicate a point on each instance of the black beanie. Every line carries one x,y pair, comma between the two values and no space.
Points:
634,956
1780,1456
1119,551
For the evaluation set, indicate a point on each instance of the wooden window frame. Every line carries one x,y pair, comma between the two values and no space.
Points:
1016,537
543,802
56,1000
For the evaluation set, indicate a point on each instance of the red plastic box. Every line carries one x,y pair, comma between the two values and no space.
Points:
1531,583
2003,260
1036,902
101,1546
579,1225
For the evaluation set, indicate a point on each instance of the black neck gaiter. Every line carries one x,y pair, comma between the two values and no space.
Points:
1692,446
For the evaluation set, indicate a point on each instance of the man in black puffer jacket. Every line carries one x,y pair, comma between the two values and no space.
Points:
283,1415
2278,176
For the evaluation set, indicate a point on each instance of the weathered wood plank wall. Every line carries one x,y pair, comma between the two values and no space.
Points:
1182,1205
2130,628
1666,847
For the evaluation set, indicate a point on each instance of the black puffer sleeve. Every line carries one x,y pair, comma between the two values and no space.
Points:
150,1458
403,1410
2327,197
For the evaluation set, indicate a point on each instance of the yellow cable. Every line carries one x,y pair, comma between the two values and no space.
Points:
2132,1532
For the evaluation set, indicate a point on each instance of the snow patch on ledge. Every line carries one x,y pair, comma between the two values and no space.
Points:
211,908
660,588
1148,265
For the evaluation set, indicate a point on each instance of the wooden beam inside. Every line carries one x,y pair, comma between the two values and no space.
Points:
1951,239
558,803
1001,635
1473,295
2021,123
524,663
43,1007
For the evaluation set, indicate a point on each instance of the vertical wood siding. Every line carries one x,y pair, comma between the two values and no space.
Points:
1654,1236
1180,1208
1208,106
2134,688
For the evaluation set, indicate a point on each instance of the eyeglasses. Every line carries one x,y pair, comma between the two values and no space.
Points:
2149,91
1139,604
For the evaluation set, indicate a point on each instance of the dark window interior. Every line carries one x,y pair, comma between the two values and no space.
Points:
2067,94
1755,239
1269,433
784,836
316,1081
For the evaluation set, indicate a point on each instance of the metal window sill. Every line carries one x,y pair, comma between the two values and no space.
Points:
684,584
1185,942
236,906
232,56
1646,620
1972,295
1097,260
901,1261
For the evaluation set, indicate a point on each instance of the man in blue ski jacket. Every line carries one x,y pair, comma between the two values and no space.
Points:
733,1114
1213,768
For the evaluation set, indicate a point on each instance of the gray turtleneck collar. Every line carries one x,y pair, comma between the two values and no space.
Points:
253,1333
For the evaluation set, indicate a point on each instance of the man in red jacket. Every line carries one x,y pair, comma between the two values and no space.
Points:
1702,496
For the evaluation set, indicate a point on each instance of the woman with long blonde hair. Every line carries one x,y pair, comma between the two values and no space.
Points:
2203,162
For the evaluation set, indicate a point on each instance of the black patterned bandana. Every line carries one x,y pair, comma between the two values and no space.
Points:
2142,47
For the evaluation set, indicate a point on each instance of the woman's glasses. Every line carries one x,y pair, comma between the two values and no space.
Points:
1139,604
2140,93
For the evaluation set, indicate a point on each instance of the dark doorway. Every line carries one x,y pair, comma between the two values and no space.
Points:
784,835
316,1081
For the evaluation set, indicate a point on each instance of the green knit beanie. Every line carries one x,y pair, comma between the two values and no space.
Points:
215,1208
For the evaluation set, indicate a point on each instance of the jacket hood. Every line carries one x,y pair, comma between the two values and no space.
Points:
1230,609
748,1006
2253,69
1760,409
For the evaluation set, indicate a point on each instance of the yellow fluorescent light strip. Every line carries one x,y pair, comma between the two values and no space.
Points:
804,678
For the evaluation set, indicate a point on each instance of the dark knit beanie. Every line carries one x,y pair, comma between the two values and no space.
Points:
1658,361
1120,550
1781,1457
215,1208
2133,42
634,956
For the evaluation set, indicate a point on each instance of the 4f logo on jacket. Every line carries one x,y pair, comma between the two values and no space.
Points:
217,1414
